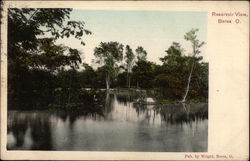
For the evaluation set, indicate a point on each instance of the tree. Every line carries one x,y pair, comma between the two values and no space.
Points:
174,54
141,54
141,67
172,76
143,74
88,77
53,57
196,45
129,56
33,55
109,54
32,34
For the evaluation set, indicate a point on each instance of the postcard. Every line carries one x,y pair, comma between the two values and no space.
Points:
125,80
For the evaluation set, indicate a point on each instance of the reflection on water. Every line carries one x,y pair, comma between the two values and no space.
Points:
123,124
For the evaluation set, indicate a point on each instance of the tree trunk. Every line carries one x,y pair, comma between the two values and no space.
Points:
107,103
70,88
128,81
128,75
188,84
107,82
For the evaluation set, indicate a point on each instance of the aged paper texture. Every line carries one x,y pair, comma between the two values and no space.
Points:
223,134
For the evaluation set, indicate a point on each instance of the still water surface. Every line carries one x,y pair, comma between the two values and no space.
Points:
123,126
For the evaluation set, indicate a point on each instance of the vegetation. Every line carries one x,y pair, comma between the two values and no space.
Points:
109,54
129,58
191,36
43,74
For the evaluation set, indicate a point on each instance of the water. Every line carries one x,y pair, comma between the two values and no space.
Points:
121,126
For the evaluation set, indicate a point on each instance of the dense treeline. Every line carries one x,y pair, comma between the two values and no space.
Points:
170,78
42,73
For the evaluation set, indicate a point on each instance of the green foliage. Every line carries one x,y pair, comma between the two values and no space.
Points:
32,34
196,45
174,73
122,80
173,56
141,54
33,56
109,54
80,99
129,58
42,74
88,77
143,74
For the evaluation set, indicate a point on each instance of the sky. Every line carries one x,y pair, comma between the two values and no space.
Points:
153,30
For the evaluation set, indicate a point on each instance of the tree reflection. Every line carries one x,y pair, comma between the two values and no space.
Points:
173,113
39,126
41,132
34,129
182,112
18,127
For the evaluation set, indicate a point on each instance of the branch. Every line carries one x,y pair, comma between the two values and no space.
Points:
31,16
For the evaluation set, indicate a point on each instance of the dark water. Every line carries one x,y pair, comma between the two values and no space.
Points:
121,126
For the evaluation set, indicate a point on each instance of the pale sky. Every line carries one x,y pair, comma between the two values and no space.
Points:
153,30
